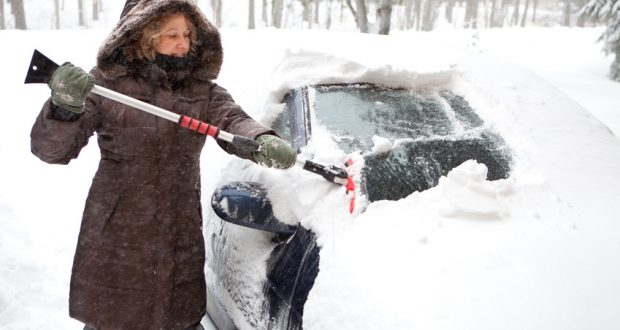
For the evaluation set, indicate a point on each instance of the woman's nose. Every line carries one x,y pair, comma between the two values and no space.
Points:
183,44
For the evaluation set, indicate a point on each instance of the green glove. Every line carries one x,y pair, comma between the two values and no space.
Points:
70,85
274,152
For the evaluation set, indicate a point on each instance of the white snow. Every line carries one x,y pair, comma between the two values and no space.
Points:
380,144
539,250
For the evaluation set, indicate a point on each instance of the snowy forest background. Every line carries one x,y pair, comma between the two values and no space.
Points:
375,16
367,16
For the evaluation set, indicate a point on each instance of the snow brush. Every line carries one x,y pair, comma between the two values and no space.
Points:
42,68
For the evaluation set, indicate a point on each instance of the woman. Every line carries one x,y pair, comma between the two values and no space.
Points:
140,255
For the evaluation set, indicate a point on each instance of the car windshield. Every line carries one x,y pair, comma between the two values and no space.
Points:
356,113
431,132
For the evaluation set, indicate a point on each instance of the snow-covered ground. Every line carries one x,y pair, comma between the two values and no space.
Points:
545,256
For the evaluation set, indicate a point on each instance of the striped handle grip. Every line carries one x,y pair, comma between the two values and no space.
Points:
198,126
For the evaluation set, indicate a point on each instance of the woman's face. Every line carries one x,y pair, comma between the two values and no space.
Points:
174,40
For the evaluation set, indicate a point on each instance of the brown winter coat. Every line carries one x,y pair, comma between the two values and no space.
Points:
140,255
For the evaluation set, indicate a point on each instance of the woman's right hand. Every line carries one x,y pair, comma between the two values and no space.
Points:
70,85
274,152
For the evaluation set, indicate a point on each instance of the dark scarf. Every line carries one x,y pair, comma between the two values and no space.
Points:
176,69
164,68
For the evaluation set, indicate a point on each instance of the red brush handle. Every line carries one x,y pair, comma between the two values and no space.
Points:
199,126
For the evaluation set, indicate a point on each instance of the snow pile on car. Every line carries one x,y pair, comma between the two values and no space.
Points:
469,249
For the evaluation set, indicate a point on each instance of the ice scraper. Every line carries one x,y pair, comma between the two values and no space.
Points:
42,68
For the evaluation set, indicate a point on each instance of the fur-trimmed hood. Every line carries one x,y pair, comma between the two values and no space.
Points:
135,17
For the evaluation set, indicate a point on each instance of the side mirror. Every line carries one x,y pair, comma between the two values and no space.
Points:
246,204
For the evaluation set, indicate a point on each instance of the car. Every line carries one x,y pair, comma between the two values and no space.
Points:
441,152
436,130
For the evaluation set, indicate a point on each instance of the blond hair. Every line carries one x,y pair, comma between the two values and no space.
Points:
144,46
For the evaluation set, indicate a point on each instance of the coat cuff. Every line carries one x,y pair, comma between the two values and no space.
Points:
58,113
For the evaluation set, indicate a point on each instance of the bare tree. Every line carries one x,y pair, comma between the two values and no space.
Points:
430,15
17,9
417,10
251,24
503,13
307,12
328,22
216,6
527,4
384,12
408,14
493,16
449,10
1,14
316,11
360,15
277,8
471,14
289,15
81,18
567,10
515,14
581,19
264,15
56,14
96,8
534,11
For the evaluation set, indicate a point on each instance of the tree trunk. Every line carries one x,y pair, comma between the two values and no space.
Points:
360,15
307,12
449,10
81,20
515,15
527,4
417,9
251,23
216,7
471,14
534,11
17,9
317,11
56,14
487,20
265,15
503,13
96,10
385,16
567,13
1,14
428,19
493,16
581,19
408,14
289,14
277,9
328,21
615,66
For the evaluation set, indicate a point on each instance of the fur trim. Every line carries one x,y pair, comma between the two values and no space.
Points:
209,45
